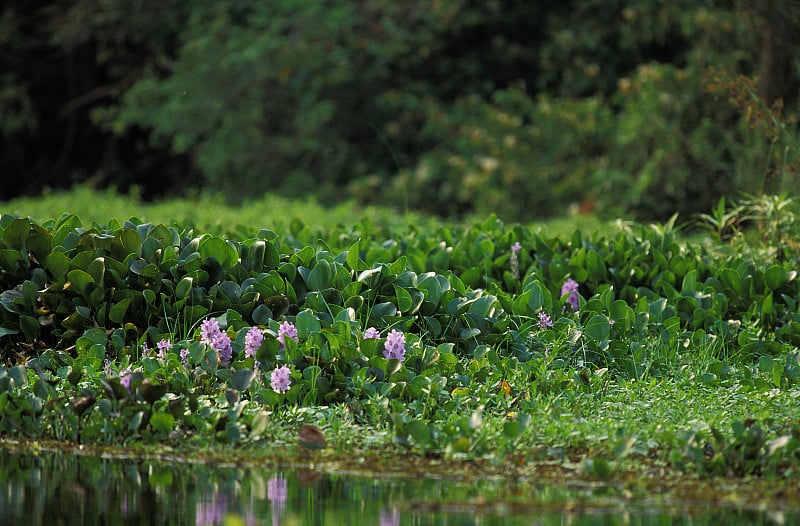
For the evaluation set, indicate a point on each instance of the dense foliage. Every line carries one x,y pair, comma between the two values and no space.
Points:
516,108
421,330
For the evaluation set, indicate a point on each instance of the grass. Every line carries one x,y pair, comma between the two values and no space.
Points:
207,213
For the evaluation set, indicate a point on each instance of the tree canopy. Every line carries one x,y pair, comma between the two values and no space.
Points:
517,107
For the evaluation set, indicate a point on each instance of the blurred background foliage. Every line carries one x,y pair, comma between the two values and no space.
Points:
528,109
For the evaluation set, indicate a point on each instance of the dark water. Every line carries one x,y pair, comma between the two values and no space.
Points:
57,489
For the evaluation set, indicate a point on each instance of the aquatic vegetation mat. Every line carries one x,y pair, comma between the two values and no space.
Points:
486,341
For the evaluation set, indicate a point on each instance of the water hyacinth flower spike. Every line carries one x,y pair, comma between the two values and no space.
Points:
214,337
287,328
395,345
570,289
164,347
280,380
252,341
514,259
209,329
222,344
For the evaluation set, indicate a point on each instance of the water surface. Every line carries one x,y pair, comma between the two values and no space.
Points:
70,488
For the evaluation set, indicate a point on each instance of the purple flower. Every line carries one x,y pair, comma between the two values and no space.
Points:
208,330
163,348
209,512
395,346
514,259
280,380
125,377
185,356
222,344
544,320
252,341
214,337
287,329
371,333
570,289
277,491
390,517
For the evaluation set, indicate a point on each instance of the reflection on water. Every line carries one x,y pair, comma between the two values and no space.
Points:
74,489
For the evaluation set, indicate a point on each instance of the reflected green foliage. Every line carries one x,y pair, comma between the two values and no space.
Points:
88,490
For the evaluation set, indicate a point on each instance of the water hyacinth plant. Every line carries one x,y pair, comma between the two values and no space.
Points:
420,336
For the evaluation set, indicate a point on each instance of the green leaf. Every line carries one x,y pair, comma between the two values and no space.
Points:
307,324
596,267
219,249
241,379
398,266
597,328
97,269
58,264
140,267
731,279
766,305
80,280
19,374
7,332
380,310
117,312
320,276
184,287
353,259
404,300
690,281
15,233
66,226
136,421
30,327
623,315
162,422
514,428
483,307
539,297
261,315
259,423
432,289
774,277
420,432
467,334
